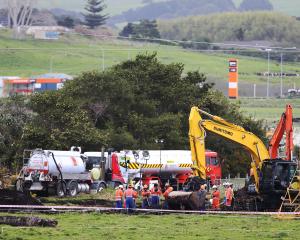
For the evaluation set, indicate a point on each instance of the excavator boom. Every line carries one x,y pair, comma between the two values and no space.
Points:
285,125
229,131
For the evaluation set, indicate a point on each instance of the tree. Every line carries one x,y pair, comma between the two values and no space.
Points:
66,21
14,115
141,100
94,17
254,5
19,14
144,29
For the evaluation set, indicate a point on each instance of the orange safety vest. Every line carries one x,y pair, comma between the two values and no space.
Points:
145,193
167,192
155,193
216,199
129,192
119,195
229,196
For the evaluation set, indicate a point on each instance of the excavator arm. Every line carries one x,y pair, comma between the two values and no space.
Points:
229,131
285,125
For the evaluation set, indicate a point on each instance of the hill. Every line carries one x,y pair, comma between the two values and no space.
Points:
114,7
74,54
248,26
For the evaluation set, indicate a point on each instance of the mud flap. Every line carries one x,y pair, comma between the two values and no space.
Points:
36,186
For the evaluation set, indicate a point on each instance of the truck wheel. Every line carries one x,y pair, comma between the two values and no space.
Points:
73,188
61,189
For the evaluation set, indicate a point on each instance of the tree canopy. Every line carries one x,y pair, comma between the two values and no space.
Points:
129,106
144,29
94,16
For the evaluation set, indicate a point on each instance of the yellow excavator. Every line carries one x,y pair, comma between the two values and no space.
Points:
270,177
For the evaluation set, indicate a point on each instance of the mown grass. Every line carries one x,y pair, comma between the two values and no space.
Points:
115,226
268,109
74,54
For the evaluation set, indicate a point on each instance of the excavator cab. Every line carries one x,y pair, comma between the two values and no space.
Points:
276,175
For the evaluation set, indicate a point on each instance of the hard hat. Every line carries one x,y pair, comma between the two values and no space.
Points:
145,186
121,186
214,186
225,184
167,184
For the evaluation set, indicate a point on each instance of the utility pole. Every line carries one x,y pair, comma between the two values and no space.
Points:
103,60
268,81
281,75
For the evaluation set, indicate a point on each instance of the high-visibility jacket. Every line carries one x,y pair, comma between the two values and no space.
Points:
216,199
155,193
129,192
145,193
229,196
119,194
167,192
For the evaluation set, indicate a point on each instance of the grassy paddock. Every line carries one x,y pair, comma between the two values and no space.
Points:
115,226
74,54
268,109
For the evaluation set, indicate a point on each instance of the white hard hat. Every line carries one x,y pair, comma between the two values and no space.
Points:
225,184
214,186
121,186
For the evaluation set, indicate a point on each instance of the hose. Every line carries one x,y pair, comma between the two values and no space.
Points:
60,173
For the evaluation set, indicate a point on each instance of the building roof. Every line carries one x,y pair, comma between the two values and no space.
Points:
54,75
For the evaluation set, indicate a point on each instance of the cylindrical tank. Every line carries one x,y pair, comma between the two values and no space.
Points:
67,161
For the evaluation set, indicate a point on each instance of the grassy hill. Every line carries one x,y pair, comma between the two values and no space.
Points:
291,7
74,54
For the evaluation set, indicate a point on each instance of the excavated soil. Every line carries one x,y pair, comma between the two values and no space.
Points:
12,197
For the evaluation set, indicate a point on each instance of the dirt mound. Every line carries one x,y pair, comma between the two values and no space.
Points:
11,197
27,221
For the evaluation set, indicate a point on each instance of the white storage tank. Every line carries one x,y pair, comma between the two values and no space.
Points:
67,161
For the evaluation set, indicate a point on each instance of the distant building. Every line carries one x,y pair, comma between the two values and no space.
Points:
46,32
27,86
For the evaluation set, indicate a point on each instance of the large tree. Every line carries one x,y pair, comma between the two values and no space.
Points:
128,106
94,16
19,14
144,29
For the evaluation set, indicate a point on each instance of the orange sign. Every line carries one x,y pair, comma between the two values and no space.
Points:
233,79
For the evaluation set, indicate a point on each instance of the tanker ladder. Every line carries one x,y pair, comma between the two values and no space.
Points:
291,200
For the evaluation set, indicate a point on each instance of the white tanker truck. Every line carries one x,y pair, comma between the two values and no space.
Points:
60,172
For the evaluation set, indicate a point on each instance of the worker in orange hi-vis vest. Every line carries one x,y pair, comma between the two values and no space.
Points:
129,195
155,194
229,196
145,196
119,196
168,190
215,198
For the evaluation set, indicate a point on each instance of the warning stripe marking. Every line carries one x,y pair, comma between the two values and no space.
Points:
186,165
130,165
152,165
138,166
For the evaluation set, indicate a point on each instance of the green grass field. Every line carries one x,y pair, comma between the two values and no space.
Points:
148,227
268,109
73,54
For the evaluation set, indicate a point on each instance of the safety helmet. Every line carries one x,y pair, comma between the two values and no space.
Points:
214,187
121,186
145,186
167,184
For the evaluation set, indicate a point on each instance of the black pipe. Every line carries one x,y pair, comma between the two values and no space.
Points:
60,173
